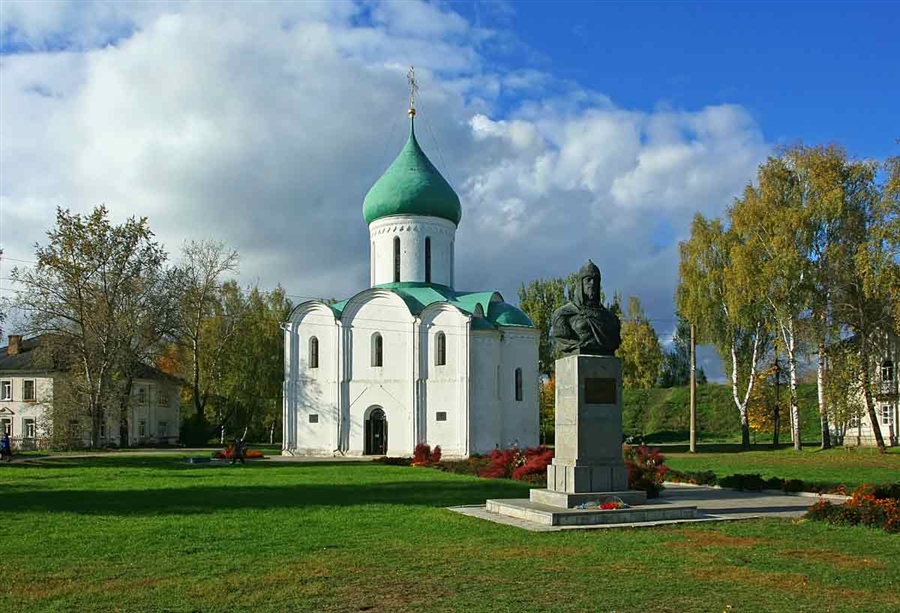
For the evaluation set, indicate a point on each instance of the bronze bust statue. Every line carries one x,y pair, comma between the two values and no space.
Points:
584,326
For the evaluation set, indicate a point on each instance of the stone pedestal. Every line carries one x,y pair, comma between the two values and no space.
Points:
588,464
588,467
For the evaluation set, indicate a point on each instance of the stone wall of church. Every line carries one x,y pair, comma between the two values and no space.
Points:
520,418
391,386
444,402
486,394
412,232
311,416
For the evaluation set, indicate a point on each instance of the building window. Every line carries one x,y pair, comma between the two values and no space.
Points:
28,390
313,418
440,349
441,416
377,350
887,414
519,384
75,430
887,371
142,428
162,429
427,259
103,429
396,259
162,398
313,352
142,395
6,390
6,426
29,428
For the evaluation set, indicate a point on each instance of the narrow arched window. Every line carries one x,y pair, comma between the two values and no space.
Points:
519,384
313,352
440,349
427,259
887,371
396,259
377,350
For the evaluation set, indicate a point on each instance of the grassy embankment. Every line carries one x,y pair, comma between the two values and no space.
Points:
151,534
662,415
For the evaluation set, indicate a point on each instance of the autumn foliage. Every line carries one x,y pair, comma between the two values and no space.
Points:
519,464
871,506
646,469
248,453
424,456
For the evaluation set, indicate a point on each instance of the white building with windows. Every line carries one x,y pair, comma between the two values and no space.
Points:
410,359
26,403
859,430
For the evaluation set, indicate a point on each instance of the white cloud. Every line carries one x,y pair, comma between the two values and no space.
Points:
265,125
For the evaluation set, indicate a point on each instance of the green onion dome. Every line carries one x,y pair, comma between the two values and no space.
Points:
412,186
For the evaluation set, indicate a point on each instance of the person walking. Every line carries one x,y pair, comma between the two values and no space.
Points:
5,448
237,451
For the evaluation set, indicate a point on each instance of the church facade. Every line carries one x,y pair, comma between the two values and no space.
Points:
410,359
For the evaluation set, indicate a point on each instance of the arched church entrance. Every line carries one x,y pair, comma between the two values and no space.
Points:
376,433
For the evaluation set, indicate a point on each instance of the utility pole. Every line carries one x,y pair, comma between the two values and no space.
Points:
693,392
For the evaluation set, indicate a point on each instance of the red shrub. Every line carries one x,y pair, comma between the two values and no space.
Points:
646,469
503,463
424,456
248,453
536,461
868,507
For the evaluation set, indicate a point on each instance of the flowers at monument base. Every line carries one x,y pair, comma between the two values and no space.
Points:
610,504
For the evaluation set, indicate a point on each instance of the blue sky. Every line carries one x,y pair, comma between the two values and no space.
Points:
264,124
814,71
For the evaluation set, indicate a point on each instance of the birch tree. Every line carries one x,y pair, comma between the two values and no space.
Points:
707,298
770,261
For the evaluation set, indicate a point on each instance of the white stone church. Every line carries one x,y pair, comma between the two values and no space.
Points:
410,359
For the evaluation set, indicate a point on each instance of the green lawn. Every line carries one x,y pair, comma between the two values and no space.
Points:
851,466
149,534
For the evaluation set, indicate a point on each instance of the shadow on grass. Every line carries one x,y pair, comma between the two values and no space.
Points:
207,499
164,462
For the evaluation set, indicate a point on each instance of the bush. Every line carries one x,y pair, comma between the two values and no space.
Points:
871,506
703,477
535,466
750,483
646,469
503,463
393,461
229,451
424,456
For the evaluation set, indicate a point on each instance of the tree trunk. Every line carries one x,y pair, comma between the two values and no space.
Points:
870,404
124,405
742,406
823,412
198,405
776,420
792,369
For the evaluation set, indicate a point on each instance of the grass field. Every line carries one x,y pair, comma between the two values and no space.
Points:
150,534
851,466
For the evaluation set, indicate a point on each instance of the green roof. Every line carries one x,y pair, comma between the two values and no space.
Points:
417,296
412,186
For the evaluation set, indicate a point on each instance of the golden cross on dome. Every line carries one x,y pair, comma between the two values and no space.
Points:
413,89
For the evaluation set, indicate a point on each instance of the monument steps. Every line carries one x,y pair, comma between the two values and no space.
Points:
548,515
